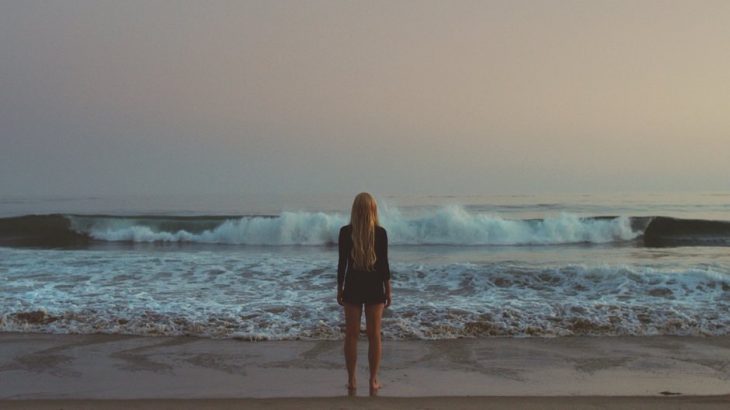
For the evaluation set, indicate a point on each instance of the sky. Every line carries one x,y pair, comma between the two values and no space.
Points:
398,97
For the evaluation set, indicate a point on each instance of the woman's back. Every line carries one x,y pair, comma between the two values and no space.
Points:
360,285
381,249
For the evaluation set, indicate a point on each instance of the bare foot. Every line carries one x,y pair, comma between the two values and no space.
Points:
351,385
374,387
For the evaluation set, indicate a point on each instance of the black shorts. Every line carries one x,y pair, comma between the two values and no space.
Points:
363,287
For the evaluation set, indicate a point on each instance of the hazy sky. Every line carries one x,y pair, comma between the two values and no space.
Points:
444,97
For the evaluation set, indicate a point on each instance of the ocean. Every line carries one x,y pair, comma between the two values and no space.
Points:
264,267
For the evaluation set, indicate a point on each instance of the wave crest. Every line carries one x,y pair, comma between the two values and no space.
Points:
451,225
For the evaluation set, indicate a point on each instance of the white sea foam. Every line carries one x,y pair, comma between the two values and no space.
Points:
277,295
451,225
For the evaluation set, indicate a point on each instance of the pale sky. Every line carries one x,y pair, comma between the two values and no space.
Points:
443,97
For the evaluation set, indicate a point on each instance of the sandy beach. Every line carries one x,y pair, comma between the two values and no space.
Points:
104,371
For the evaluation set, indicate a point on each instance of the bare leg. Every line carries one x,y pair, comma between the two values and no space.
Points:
353,313
373,316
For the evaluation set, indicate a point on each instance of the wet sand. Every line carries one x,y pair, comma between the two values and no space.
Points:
387,403
44,371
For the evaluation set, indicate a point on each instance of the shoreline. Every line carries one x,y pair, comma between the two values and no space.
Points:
114,367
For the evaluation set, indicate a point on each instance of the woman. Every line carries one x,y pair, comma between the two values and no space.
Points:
363,278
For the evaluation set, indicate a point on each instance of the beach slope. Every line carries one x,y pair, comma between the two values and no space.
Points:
73,371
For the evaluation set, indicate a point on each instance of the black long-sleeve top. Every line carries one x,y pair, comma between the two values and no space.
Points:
345,246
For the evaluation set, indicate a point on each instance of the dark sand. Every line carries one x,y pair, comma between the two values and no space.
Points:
656,372
388,403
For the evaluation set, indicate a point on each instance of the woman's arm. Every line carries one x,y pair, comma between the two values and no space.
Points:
341,264
385,266
387,293
383,253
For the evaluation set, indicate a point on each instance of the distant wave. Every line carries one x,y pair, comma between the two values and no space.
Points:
663,231
449,225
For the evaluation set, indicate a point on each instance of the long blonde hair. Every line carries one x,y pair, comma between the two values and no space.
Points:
364,219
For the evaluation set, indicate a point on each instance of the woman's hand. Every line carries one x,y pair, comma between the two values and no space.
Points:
387,294
340,299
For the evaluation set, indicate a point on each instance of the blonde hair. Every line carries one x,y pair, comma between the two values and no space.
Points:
364,219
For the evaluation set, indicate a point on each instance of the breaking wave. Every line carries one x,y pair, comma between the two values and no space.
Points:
449,225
